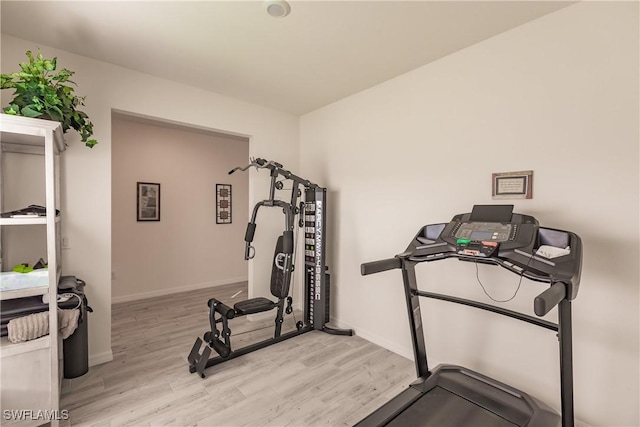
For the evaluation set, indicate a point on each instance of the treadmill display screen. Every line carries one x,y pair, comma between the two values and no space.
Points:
478,231
481,235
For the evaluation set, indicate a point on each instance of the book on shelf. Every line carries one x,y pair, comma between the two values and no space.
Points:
31,211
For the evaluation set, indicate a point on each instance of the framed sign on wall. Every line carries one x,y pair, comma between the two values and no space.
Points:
512,185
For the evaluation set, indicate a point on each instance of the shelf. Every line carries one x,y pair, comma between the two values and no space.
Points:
40,220
30,373
18,285
23,221
8,349
22,293
28,132
22,423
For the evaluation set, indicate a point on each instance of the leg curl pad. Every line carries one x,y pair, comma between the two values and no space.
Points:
223,309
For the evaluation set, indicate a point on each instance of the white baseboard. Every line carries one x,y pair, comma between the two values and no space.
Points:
163,292
100,358
374,338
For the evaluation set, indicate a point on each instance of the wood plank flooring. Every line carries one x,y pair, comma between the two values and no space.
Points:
314,379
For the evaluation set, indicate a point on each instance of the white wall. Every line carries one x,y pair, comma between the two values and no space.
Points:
559,96
186,249
86,173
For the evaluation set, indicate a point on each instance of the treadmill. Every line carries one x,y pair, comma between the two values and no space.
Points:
450,395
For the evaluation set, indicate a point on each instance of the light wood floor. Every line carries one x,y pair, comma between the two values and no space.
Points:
315,379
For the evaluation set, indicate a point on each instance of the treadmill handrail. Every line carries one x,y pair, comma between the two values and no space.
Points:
374,267
542,304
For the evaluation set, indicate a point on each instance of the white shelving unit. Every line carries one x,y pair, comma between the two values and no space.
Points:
30,371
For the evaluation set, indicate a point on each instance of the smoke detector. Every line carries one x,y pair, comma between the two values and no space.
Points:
277,8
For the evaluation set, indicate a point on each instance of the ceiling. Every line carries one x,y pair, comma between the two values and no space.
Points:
322,52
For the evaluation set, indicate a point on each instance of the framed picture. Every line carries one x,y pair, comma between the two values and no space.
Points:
223,204
148,201
512,185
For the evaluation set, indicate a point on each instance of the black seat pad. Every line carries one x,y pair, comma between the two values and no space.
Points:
254,305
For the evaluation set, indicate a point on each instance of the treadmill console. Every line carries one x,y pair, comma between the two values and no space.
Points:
487,228
494,234
479,231
481,239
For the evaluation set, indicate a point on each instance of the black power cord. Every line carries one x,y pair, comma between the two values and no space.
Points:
517,289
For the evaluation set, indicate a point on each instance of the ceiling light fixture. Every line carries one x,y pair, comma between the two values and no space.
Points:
277,8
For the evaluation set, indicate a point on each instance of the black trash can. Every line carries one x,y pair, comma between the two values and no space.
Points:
76,347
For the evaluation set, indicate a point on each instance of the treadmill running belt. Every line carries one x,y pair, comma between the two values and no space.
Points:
441,408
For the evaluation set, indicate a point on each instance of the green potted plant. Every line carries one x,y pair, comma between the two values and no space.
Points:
42,93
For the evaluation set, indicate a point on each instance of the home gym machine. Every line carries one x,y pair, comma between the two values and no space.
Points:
312,217
456,396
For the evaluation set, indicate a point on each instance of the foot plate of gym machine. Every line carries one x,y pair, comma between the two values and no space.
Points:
198,361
